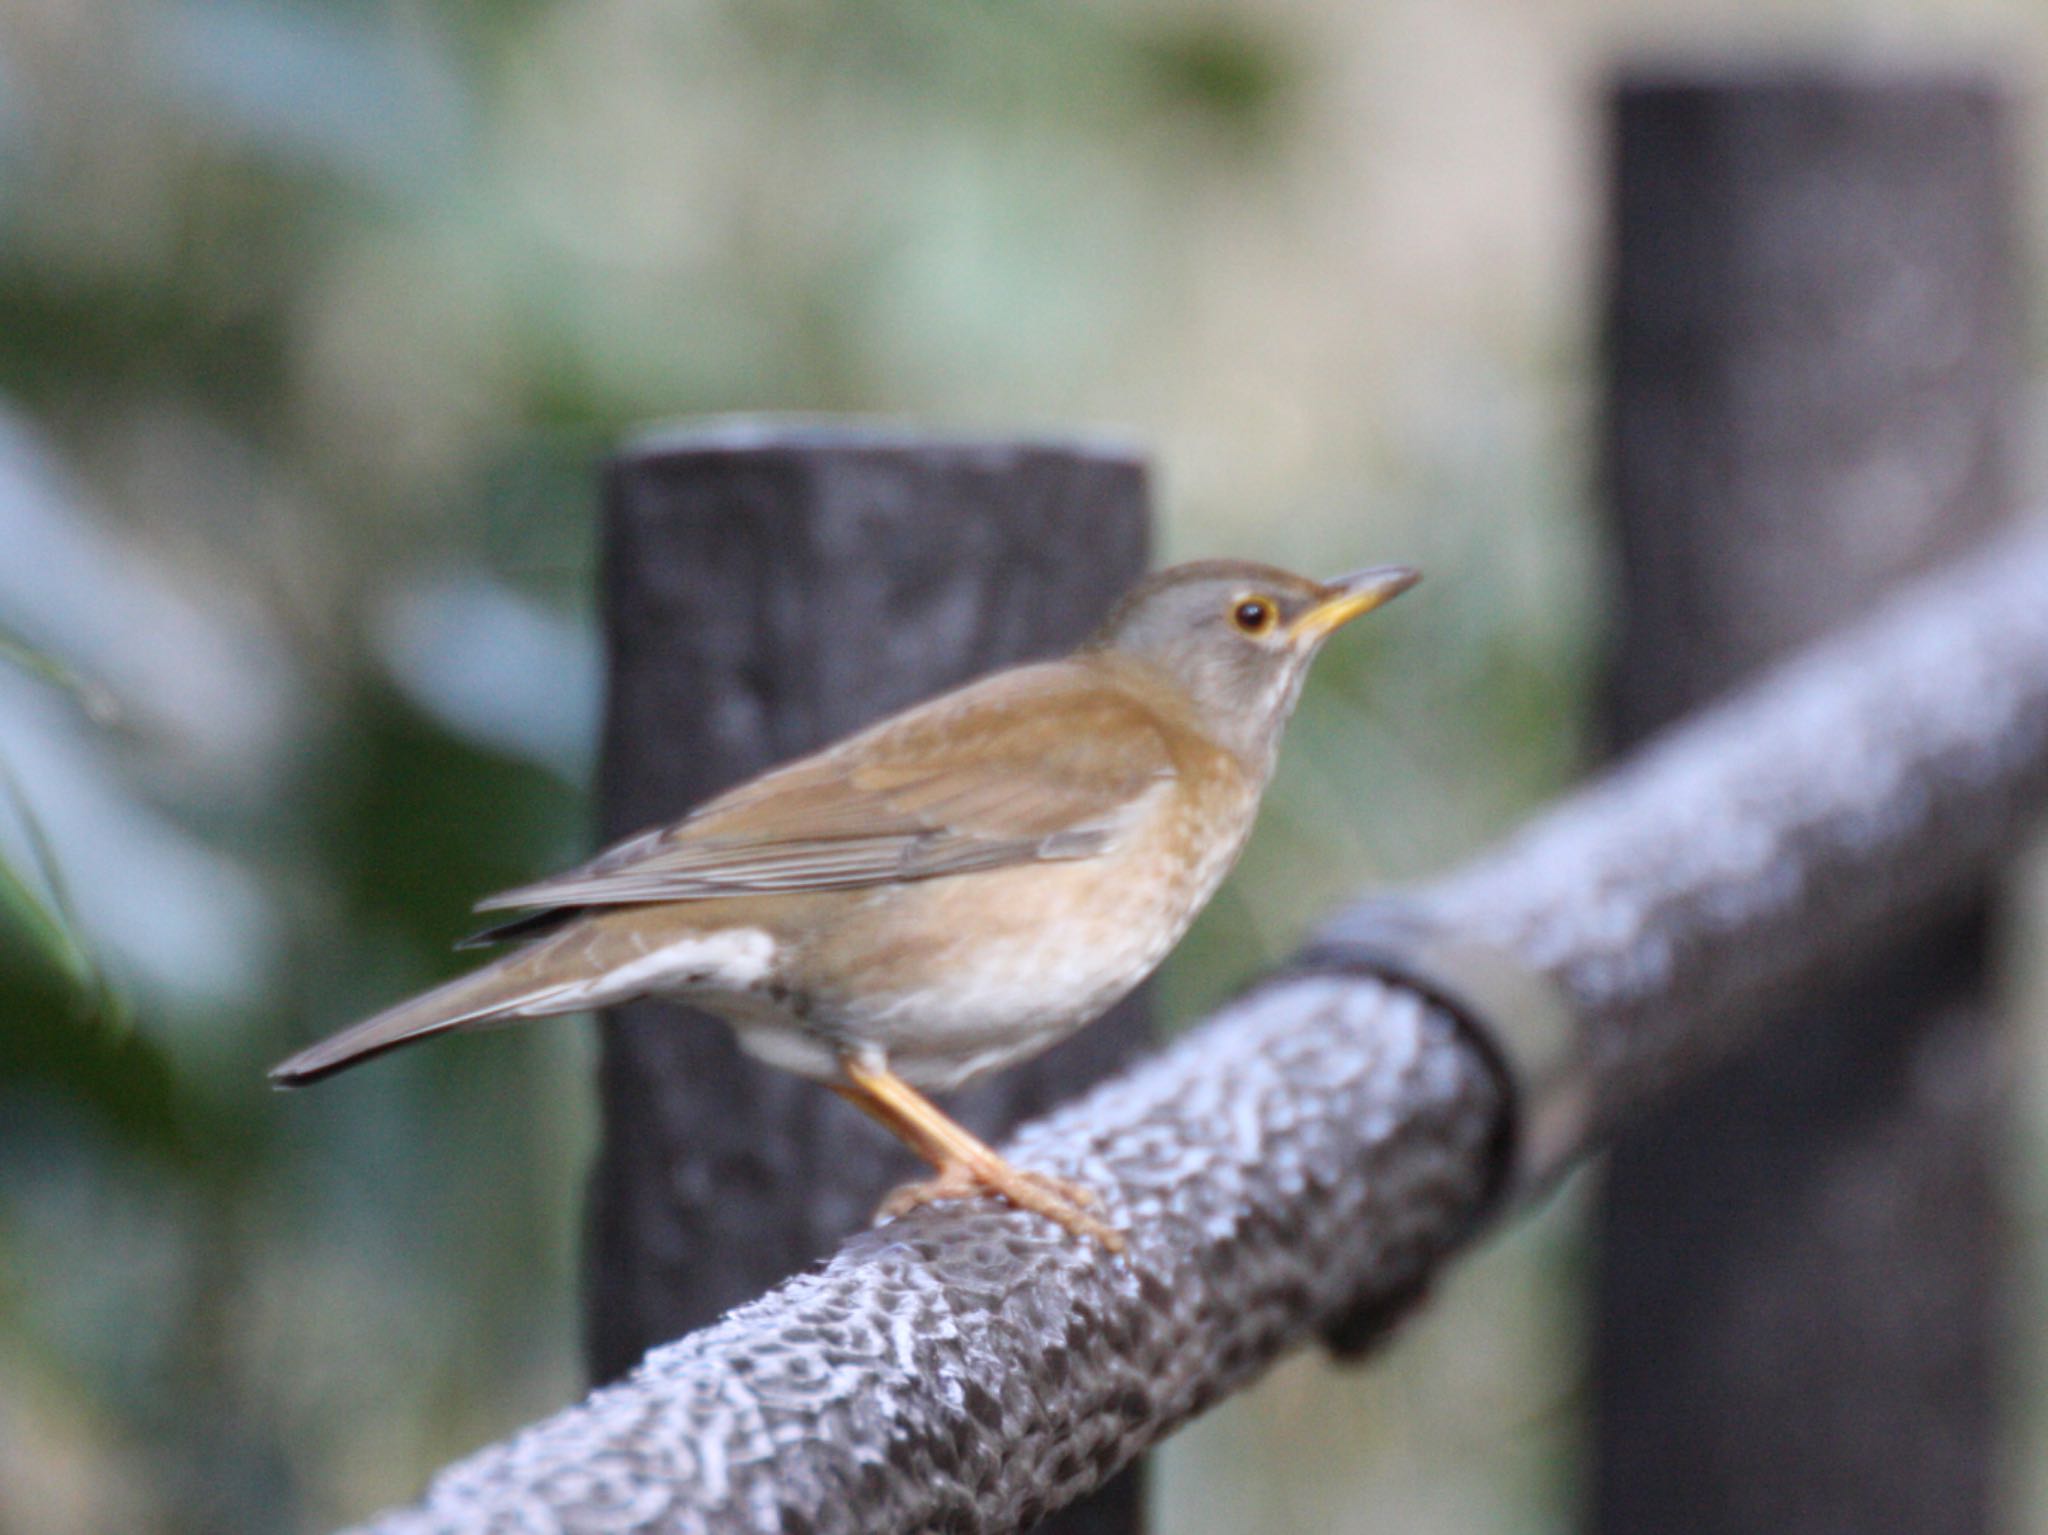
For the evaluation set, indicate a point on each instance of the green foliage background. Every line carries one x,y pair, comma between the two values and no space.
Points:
315,316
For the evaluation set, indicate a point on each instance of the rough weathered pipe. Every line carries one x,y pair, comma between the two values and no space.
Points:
1315,1151
1855,788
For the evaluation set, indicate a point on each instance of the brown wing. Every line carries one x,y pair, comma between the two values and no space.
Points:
1043,762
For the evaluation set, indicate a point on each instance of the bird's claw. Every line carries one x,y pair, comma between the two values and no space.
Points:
1057,1199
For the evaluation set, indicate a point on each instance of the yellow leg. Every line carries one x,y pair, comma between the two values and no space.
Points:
965,1166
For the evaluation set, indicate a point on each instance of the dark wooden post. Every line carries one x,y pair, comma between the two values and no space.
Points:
1814,344
768,588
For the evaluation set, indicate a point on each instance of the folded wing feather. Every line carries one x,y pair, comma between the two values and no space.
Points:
969,781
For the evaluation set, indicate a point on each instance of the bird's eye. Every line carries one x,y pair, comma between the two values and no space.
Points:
1254,615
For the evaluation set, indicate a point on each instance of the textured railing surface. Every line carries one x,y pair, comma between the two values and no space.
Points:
1303,1161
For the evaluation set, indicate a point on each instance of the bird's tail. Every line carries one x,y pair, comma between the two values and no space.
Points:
517,986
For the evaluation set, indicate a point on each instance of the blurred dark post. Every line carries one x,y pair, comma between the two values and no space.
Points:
1814,342
768,588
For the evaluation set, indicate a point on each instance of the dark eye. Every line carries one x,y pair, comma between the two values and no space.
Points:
1254,615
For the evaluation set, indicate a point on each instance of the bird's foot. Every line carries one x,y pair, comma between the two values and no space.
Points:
1057,1199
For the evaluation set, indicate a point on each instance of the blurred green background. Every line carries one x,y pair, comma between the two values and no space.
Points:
315,316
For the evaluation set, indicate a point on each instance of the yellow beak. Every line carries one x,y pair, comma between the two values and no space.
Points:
1351,596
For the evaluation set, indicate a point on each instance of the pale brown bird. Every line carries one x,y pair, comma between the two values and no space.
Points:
949,891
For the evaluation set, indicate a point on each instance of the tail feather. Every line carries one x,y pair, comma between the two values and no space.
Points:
498,993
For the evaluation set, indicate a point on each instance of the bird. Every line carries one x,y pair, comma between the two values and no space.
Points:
946,892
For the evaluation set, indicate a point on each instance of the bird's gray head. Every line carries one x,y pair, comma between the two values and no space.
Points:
1237,638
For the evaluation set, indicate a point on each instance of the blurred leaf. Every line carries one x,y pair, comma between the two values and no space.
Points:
46,916
37,918
74,337
98,702
121,1081
1220,67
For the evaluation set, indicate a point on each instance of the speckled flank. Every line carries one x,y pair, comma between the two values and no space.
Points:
957,976
1061,944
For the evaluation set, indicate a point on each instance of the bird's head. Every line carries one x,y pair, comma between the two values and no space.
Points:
1235,638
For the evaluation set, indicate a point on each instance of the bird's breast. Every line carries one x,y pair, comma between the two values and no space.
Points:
956,976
